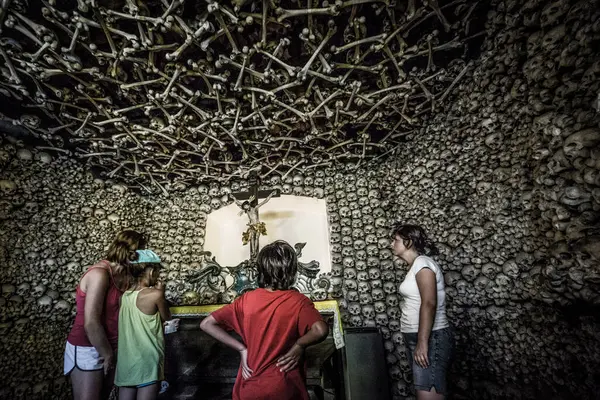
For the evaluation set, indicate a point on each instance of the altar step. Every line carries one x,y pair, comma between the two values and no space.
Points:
217,391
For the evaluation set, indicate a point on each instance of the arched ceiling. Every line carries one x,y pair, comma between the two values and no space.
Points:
164,92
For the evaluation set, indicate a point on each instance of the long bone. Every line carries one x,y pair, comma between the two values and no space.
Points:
436,8
226,60
290,70
331,31
107,29
11,22
205,43
204,27
324,102
214,9
141,18
14,77
283,13
388,97
39,30
377,38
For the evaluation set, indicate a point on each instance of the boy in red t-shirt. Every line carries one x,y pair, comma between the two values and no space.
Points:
276,324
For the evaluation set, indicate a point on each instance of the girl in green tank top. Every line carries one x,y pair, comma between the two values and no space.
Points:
141,347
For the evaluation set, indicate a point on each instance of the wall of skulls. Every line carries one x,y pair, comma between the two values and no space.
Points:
506,179
54,220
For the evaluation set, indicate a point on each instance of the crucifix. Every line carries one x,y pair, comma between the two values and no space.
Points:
249,204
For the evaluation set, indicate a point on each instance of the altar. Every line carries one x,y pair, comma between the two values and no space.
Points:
199,367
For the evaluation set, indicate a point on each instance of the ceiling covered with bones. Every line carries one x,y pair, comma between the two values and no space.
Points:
181,92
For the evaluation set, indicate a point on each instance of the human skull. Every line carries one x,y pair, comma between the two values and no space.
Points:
352,295
365,298
7,188
389,287
374,273
62,307
23,289
553,12
362,276
354,308
44,304
392,300
356,321
393,324
469,272
364,287
579,143
350,284
368,311
378,294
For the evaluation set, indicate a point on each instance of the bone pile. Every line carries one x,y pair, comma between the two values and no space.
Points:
166,93
504,176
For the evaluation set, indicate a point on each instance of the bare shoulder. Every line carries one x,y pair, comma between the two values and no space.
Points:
154,293
95,276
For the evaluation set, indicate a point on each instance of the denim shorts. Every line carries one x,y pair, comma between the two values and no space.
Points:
439,352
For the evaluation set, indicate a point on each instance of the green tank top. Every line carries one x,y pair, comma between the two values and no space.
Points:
141,349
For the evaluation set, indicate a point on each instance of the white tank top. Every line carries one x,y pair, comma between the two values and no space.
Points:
411,298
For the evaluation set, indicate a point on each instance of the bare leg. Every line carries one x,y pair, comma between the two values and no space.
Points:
87,385
148,392
432,395
127,393
109,382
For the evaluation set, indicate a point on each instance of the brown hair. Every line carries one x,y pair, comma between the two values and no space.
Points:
121,252
277,266
414,236
136,270
122,249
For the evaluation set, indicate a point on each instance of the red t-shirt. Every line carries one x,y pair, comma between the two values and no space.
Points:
269,324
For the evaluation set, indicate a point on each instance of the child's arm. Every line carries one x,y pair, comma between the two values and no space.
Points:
317,333
161,303
212,327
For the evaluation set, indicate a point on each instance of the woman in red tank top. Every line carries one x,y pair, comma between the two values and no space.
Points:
90,353
276,323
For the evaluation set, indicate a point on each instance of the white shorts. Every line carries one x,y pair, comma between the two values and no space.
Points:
83,357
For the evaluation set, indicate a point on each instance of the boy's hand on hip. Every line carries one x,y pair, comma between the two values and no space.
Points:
291,359
246,371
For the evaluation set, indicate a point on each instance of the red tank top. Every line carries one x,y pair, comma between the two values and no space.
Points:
110,312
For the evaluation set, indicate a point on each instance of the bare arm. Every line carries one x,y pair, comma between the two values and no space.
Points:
317,333
211,326
163,307
428,291
266,199
97,283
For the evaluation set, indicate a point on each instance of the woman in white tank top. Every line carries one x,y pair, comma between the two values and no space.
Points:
424,325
